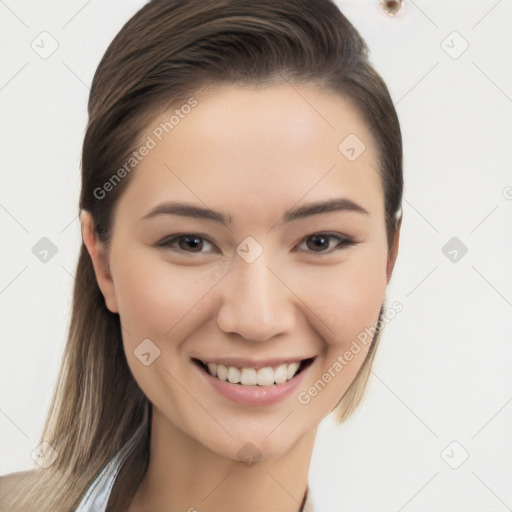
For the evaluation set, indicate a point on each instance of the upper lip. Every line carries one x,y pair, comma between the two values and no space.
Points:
238,362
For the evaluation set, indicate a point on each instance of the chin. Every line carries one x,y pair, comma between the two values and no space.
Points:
256,447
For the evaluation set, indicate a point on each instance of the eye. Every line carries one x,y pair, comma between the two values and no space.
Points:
322,241
192,241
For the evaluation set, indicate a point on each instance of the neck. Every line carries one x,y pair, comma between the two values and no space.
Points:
184,475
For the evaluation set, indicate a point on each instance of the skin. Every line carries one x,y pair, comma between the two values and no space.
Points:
252,154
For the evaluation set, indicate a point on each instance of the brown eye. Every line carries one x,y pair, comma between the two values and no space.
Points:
186,243
193,242
321,243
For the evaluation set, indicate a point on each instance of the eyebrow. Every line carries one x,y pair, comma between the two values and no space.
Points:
197,212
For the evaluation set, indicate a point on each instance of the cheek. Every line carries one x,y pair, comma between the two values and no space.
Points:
156,299
345,298
361,304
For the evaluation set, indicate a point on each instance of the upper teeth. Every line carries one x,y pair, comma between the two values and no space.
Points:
252,377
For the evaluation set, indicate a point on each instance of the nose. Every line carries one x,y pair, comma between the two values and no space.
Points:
257,303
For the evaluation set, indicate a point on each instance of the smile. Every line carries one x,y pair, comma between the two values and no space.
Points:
250,376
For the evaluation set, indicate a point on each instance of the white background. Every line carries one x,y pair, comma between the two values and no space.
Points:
443,370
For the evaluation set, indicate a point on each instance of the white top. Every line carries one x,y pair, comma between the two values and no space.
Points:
96,497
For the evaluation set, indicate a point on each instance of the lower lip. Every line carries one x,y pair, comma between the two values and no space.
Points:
254,395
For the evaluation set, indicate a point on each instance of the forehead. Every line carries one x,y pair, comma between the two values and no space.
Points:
280,143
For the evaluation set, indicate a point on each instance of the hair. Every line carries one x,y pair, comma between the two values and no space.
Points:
167,52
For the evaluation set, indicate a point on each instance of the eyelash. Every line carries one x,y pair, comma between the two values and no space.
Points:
343,242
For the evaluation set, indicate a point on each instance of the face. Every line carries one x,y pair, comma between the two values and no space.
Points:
279,291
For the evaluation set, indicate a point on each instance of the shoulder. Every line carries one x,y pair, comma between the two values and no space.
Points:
10,481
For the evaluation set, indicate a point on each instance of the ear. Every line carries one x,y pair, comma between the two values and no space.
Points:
393,252
99,256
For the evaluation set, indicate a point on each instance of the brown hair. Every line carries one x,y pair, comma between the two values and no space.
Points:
168,51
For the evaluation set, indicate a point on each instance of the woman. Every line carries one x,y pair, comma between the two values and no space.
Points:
240,211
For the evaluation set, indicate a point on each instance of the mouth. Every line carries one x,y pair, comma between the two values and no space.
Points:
267,376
